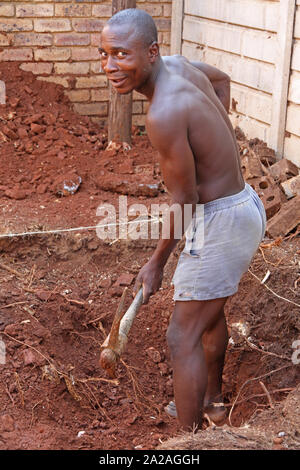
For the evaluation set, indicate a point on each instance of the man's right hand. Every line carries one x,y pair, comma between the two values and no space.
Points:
150,277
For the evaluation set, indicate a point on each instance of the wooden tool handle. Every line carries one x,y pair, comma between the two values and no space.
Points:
118,344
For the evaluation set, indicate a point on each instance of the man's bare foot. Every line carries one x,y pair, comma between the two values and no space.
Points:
215,411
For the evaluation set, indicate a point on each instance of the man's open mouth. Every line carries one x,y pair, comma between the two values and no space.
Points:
118,82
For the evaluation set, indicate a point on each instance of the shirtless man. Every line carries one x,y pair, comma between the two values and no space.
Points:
188,124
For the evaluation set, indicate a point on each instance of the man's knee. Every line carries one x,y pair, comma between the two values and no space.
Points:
183,334
190,321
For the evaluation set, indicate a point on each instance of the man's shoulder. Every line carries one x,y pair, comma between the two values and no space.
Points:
174,60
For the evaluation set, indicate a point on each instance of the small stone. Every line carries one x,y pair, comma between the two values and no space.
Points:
36,128
14,101
42,189
27,89
42,295
16,193
105,283
9,132
22,132
61,155
93,245
7,423
116,291
278,440
30,357
163,368
153,354
124,280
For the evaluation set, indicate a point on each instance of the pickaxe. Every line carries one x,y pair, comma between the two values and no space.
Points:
116,341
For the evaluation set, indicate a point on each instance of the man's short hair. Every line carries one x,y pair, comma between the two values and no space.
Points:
144,24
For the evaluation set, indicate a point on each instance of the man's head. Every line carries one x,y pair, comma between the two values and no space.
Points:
129,49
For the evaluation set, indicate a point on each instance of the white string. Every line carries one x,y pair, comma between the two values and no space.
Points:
75,229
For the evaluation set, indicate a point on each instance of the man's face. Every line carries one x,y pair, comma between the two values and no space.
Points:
124,58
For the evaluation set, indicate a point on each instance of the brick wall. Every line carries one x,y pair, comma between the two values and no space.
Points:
58,42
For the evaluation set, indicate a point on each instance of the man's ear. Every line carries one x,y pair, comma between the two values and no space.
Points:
153,51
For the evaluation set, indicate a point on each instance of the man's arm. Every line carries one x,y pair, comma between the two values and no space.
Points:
178,170
219,80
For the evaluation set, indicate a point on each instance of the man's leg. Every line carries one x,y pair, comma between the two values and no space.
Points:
190,375
215,341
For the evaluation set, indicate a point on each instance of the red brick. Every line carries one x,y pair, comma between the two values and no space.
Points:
2,92
16,25
271,200
96,67
153,10
16,54
146,106
72,68
164,50
163,24
5,40
251,166
283,170
85,25
102,11
78,95
79,53
286,219
269,193
138,96
291,187
168,10
32,39
166,38
91,109
138,120
34,11
52,54
91,82
59,80
73,10
137,107
72,39
95,39
37,69
7,10
45,26
100,94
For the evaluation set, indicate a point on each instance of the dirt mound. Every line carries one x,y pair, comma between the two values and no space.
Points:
60,291
274,429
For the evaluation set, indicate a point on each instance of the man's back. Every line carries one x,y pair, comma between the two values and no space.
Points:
188,97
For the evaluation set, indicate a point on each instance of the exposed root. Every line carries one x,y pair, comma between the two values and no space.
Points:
252,380
141,401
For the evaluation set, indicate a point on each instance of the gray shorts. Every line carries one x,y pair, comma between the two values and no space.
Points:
221,241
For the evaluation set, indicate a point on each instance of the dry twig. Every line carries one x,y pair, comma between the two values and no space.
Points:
252,380
267,393
274,293
21,393
256,348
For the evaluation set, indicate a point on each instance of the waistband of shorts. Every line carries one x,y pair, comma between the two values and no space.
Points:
229,201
